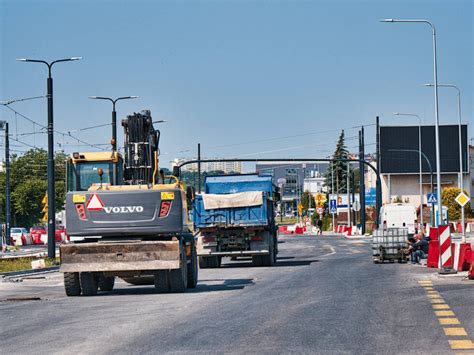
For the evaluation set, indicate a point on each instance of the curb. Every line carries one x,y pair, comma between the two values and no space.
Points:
30,272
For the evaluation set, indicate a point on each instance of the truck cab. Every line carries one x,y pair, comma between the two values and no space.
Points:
82,169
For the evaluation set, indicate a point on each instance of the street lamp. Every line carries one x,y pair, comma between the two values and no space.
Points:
461,182
421,168
4,126
51,187
114,126
435,75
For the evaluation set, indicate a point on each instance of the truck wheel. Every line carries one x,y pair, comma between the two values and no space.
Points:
72,285
161,281
178,278
89,283
268,260
193,268
257,260
106,283
139,280
209,262
202,262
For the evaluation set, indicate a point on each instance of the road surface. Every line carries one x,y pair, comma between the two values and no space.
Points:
324,296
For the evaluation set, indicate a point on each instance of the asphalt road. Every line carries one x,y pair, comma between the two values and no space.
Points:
324,296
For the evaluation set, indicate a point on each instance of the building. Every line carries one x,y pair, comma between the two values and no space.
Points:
226,167
470,188
399,161
294,179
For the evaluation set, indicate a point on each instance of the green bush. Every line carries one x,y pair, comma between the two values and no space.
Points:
448,197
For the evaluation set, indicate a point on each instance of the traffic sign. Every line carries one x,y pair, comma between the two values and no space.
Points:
356,206
320,199
332,206
45,199
462,199
300,208
431,198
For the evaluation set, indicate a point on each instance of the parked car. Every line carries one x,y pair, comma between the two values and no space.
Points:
36,233
19,236
60,234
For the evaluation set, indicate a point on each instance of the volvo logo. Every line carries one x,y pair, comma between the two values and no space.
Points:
124,209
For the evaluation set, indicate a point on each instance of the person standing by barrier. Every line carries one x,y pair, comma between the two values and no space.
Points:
320,226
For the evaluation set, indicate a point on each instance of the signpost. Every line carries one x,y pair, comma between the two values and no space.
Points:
432,198
332,206
462,199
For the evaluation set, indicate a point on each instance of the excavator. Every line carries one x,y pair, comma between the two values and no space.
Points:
126,219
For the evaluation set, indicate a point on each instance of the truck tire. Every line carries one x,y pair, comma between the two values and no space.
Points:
210,262
193,268
257,260
268,260
139,280
106,283
89,283
178,278
72,285
161,281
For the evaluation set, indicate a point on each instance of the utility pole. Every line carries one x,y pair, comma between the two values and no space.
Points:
4,126
362,179
348,194
332,193
50,167
199,167
378,185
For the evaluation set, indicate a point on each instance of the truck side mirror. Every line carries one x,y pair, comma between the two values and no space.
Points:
176,171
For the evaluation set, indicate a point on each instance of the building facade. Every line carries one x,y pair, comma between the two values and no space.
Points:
226,167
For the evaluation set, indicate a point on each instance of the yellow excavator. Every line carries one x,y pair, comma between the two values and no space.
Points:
137,229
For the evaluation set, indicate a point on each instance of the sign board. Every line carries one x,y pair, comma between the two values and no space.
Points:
300,208
45,199
320,211
356,206
332,206
320,199
431,198
462,199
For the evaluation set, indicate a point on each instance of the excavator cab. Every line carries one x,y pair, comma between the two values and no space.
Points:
82,169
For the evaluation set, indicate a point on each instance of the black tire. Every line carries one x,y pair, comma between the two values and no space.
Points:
106,283
178,278
72,286
268,260
193,268
257,260
161,281
89,283
209,262
139,280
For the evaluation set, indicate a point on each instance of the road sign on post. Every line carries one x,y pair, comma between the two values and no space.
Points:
356,206
462,199
431,198
44,201
332,206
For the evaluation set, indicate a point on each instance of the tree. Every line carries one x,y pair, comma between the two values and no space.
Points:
448,197
28,185
338,169
305,198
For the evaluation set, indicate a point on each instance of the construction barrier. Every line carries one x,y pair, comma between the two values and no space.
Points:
455,255
445,247
471,268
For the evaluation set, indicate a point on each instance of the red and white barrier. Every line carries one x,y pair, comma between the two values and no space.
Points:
445,247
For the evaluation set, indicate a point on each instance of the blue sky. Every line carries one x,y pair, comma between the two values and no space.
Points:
232,74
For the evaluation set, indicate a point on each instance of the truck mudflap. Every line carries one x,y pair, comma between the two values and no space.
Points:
120,256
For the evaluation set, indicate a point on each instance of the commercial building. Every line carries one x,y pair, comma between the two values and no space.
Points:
399,161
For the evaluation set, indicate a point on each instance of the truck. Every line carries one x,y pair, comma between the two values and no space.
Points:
235,217
136,229
399,215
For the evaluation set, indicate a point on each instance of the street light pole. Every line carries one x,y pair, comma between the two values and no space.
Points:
114,128
461,182
435,75
419,162
4,126
51,175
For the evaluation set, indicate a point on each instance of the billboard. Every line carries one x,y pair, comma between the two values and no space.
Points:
399,149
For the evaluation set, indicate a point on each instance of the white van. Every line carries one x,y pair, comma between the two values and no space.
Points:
399,215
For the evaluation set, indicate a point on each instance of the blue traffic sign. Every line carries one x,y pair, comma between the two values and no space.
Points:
332,206
431,198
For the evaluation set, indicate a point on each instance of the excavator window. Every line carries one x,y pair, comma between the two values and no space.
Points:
81,175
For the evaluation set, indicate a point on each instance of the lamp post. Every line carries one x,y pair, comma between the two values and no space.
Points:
435,75
419,162
461,182
4,126
114,127
51,177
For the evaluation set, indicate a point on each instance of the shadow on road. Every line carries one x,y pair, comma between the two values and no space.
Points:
281,262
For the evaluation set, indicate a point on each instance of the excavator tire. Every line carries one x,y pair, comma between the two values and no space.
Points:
89,283
178,278
161,281
106,283
72,285
193,268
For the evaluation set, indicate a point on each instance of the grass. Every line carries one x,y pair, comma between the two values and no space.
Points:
17,264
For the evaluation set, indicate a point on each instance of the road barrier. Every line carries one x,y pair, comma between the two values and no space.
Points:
455,255
471,268
445,247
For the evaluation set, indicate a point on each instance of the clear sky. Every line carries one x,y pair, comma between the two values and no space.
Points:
233,75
